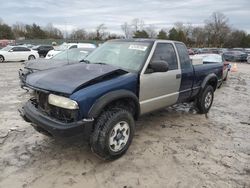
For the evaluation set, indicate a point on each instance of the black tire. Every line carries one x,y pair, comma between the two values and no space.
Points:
225,79
104,128
31,57
205,100
1,59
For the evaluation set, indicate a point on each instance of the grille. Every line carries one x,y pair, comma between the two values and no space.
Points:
40,101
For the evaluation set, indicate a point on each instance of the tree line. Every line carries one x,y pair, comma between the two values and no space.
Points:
215,32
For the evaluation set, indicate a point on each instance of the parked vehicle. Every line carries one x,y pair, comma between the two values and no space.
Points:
191,52
64,58
212,58
6,42
17,53
247,50
237,56
66,46
43,49
119,81
30,46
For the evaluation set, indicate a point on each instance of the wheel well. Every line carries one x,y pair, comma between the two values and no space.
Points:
213,82
125,103
2,56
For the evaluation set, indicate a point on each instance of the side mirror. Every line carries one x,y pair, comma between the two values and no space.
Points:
158,66
11,50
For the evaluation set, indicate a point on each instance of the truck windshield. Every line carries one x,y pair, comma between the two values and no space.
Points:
129,56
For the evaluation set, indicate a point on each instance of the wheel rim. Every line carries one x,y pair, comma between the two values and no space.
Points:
31,58
119,136
1,59
208,99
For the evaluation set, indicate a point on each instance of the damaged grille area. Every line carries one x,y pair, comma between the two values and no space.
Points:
40,101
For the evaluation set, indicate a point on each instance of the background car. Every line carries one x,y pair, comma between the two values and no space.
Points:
190,52
66,46
64,58
17,53
235,56
43,49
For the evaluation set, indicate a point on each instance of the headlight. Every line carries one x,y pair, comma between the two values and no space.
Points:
62,102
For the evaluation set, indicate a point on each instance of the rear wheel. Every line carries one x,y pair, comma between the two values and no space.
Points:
205,100
31,57
113,133
1,59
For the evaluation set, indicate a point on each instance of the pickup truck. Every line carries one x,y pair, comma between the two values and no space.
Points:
118,82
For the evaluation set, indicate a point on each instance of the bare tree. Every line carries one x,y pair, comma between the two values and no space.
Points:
127,30
100,32
53,32
217,29
79,34
198,36
91,35
179,26
151,31
137,24
19,29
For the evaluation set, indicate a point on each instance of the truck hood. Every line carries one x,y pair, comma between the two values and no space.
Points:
44,64
68,79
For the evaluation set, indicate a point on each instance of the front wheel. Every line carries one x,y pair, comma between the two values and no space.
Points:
205,100
31,57
113,133
1,59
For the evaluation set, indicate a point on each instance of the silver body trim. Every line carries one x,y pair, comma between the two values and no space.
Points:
159,89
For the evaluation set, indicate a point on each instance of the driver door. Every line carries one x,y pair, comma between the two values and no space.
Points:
160,89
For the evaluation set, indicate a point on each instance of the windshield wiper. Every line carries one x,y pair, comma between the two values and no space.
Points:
100,63
85,61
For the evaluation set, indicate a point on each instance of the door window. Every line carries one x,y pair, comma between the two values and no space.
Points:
165,52
20,49
74,46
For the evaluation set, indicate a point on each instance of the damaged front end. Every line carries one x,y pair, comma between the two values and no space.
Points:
40,101
53,120
23,73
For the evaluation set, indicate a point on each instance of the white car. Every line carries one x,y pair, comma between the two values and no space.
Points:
66,46
17,53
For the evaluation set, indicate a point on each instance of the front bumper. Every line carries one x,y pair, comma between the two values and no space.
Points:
50,126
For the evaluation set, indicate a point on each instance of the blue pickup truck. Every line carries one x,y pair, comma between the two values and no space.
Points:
121,80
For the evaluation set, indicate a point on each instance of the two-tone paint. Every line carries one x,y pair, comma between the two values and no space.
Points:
150,91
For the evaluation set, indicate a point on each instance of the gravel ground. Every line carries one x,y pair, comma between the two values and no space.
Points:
174,147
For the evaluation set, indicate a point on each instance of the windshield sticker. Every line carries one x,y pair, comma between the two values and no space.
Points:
137,47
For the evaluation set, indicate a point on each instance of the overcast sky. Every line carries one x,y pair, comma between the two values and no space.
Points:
73,14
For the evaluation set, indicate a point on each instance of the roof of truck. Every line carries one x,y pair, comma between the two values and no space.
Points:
143,40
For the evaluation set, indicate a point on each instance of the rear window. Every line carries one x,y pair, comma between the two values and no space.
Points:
183,55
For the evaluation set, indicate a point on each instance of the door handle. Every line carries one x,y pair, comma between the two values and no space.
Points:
178,76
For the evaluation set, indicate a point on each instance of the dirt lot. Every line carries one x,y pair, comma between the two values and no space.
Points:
174,147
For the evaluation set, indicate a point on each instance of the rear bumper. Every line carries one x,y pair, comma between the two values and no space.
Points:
49,126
